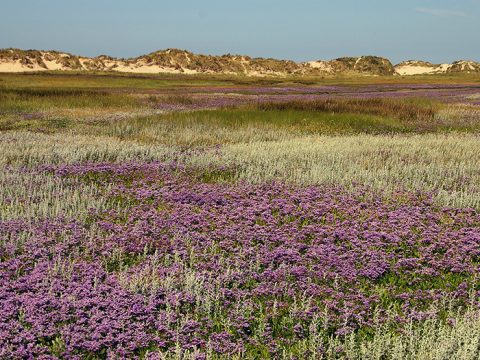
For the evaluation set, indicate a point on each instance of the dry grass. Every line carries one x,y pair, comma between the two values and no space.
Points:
444,164
33,149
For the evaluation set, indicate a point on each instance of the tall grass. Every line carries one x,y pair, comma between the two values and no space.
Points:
17,100
407,110
444,164
26,149
130,82
154,81
432,339
206,128
38,196
26,193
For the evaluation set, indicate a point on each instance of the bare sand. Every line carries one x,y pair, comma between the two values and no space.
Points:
421,70
17,66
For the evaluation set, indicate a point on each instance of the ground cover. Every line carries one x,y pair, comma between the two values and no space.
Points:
150,217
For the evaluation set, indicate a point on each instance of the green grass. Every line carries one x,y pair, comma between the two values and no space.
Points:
132,117
17,100
416,112
36,125
121,105
131,82
135,82
204,128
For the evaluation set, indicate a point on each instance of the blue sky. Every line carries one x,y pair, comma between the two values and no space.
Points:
434,30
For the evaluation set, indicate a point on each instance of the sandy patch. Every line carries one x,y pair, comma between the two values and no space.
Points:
421,70
83,62
53,65
320,65
17,66
414,70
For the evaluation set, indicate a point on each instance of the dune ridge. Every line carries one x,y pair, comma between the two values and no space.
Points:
177,61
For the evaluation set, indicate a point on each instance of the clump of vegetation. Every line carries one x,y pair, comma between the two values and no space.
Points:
419,114
464,66
29,58
373,65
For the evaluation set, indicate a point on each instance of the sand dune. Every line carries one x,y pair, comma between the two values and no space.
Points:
174,61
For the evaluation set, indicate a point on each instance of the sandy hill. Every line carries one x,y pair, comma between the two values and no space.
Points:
182,61
415,67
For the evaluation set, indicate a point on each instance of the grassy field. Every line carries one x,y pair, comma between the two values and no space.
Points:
132,82
183,217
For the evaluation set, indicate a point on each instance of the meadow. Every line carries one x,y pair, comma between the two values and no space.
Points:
195,217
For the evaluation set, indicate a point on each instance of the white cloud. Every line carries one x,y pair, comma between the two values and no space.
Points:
441,12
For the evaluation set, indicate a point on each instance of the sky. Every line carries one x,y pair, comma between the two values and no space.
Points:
433,30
